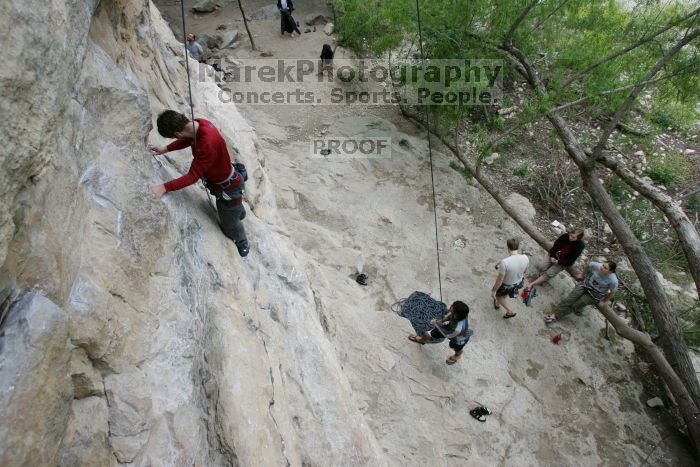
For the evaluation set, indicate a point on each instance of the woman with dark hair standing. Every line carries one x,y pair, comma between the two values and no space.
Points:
453,326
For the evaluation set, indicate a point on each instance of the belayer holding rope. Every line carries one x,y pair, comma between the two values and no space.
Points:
453,326
211,163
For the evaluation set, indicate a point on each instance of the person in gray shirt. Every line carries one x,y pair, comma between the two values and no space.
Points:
194,48
598,287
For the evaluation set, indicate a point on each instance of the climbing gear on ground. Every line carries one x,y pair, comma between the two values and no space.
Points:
480,413
419,308
558,338
527,295
361,279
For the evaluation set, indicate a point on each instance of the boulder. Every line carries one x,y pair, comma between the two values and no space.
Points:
266,13
229,38
522,205
210,41
316,18
204,6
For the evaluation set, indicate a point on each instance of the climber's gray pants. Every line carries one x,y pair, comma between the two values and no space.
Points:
231,218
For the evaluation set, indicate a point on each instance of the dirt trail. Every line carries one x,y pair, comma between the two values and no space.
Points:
577,403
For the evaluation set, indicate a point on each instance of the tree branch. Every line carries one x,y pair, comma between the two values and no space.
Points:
687,233
544,20
620,89
518,21
622,110
629,48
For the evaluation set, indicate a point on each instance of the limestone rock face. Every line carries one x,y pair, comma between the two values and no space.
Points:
36,387
138,334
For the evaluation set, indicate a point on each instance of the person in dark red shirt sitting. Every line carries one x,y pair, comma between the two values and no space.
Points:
563,254
211,163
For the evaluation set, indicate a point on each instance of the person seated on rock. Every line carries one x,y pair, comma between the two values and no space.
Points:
211,163
453,326
287,22
598,288
563,254
327,55
510,277
194,48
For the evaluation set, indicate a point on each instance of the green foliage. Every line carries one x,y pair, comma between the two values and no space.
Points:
562,38
618,190
671,170
693,202
673,115
523,171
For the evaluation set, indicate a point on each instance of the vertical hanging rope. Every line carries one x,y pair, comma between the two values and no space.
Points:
189,89
430,152
187,64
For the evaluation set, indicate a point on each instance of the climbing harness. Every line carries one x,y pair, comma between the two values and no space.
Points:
430,152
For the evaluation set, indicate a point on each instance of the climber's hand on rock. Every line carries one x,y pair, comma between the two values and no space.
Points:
158,190
157,150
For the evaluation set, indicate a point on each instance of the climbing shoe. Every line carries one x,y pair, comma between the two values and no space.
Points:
243,248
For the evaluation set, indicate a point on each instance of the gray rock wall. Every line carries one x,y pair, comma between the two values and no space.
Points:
135,333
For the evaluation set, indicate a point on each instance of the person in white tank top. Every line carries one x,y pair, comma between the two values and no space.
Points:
511,271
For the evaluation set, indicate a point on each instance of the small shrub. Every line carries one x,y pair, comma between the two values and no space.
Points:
522,171
618,190
671,171
672,114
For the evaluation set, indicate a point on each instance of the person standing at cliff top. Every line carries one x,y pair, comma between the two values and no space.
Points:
510,277
287,22
194,48
211,163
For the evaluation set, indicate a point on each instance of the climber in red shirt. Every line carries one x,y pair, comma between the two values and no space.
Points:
211,163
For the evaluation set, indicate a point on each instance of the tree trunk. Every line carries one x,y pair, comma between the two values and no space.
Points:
245,23
687,233
666,321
